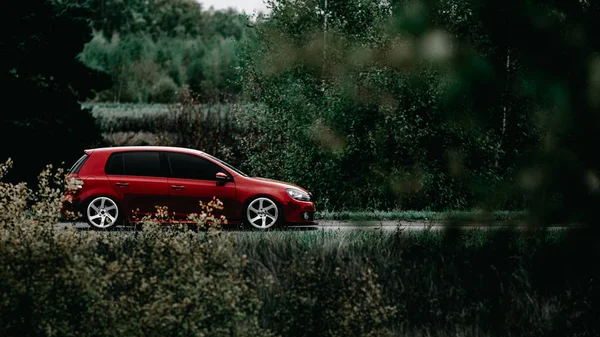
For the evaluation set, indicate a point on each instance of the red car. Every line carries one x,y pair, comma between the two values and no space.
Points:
112,184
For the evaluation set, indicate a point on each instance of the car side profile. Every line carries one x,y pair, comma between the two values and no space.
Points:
115,184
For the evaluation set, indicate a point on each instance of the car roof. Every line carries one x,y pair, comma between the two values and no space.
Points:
144,148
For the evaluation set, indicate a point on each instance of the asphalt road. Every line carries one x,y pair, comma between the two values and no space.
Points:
334,225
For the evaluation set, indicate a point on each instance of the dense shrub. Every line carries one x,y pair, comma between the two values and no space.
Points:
213,128
58,282
266,143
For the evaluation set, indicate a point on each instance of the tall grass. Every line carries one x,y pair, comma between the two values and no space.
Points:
493,282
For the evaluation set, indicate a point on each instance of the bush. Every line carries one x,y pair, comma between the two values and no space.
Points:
163,91
374,169
64,283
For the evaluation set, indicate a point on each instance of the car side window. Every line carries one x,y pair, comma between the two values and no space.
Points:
187,166
114,165
139,163
142,163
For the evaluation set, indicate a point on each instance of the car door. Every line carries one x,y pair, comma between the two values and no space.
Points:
193,179
139,178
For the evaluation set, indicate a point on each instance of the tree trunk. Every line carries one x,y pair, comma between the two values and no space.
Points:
504,109
324,46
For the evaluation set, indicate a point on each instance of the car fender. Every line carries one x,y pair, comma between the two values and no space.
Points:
97,187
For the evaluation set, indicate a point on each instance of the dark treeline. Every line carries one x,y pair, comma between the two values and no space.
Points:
42,120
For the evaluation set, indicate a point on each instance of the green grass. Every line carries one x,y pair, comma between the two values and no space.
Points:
302,239
325,240
125,109
459,216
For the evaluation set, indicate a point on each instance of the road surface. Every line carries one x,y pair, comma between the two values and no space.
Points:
337,225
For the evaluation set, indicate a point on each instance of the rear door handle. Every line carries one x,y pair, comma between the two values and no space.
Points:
122,184
177,187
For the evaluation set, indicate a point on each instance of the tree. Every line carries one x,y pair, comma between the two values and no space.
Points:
43,83
357,96
154,17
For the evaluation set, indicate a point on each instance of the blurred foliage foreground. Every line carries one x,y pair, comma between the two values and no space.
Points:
171,281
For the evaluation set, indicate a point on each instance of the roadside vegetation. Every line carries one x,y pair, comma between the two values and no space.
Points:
58,282
182,281
480,216
426,283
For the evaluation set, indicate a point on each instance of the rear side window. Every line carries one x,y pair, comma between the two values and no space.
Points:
78,164
141,163
187,166
114,165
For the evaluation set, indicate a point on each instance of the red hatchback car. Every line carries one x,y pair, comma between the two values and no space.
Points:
110,183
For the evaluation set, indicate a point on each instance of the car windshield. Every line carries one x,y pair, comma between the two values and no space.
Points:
229,166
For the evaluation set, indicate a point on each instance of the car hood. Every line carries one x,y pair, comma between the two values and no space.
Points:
279,183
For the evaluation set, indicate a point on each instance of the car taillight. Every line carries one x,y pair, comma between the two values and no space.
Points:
74,184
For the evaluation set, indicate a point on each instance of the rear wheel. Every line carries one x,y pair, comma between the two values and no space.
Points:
102,213
263,213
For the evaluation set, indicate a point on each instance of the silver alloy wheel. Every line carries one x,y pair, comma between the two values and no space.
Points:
102,212
262,213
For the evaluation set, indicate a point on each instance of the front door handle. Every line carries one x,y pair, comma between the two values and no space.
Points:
177,187
122,184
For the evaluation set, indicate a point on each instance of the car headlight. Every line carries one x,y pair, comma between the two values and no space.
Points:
297,194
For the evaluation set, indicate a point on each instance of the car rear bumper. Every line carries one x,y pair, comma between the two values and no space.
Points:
71,206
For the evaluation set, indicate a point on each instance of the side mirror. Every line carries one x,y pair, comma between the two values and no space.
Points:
222,177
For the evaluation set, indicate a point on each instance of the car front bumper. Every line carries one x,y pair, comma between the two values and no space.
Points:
300,212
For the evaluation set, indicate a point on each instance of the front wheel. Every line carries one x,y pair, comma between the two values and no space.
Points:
263,213
102,213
